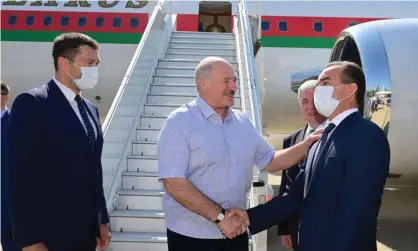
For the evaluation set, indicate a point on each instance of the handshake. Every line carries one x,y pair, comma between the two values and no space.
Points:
235,223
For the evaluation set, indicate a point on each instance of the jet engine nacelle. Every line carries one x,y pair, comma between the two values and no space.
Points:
387,50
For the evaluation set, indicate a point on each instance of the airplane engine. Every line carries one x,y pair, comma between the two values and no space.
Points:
387,50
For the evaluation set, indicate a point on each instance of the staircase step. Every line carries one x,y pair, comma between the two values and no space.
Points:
141,147
190,71
174,98
140,199
142,163
152,121
203,51
203,40
186,63
141,180
217,35
201,45
135,241
198,56
146,133
174,79
161,110
136,220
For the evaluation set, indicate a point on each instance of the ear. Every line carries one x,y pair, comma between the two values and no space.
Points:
63,63
352,88
202,83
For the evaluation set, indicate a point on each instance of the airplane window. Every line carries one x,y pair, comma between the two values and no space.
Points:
283,26
352,24
318,26
99,22
47,20
30,20
134,22
265,25
117,22
82,21
65,21
12,20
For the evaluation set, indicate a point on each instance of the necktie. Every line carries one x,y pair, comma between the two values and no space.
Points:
86,120
322,143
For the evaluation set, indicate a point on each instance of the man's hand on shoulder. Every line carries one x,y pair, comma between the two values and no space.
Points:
36,247
312,139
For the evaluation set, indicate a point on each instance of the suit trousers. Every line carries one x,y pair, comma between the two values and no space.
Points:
178,242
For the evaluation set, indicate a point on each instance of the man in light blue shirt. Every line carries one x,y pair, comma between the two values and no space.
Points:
206,154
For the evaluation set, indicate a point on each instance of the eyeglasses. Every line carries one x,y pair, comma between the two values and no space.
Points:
4,93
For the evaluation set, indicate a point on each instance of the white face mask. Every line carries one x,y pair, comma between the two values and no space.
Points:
324,102
89,77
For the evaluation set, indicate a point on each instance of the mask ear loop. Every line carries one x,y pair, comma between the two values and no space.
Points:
344,97
81,75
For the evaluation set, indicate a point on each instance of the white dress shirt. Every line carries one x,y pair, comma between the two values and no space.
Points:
4,111
336,121
70,95
309,129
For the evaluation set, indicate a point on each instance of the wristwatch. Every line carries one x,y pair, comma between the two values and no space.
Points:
221,216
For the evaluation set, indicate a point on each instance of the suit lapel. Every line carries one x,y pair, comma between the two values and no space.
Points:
301,135
63,110
346,123
308,165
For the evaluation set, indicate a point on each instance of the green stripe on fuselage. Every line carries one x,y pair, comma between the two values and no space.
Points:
298,42
49,36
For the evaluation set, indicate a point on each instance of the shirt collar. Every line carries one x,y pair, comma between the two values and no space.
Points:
321,126
68,93
206,110
340,117
4,111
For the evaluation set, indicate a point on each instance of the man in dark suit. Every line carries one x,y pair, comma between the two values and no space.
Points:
54,156
314,120
339,194
6,223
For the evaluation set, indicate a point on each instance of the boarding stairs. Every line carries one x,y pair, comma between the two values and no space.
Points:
159,80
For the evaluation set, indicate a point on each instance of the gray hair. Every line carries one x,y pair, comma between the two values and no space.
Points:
309,84
204,68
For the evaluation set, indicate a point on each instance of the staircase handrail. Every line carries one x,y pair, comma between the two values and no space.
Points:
131,67
111,195
250,63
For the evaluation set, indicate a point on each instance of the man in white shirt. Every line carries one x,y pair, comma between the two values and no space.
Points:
314,120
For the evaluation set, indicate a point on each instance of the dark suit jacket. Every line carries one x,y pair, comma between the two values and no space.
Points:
288,176
55,177
6,224
339,212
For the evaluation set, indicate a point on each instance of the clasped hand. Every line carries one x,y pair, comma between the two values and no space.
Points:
235,223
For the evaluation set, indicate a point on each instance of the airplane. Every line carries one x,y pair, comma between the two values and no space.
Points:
291,37
293,41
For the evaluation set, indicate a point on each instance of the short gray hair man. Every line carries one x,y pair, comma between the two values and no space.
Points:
309,84
204,68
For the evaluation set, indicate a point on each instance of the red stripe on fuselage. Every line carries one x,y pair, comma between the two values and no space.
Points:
304,26
56,16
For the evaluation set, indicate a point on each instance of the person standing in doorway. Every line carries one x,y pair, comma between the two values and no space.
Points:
54,153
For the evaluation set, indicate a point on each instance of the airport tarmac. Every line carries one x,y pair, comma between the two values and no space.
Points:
397,228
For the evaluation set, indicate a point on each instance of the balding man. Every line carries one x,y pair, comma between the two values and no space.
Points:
314,120
206,154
